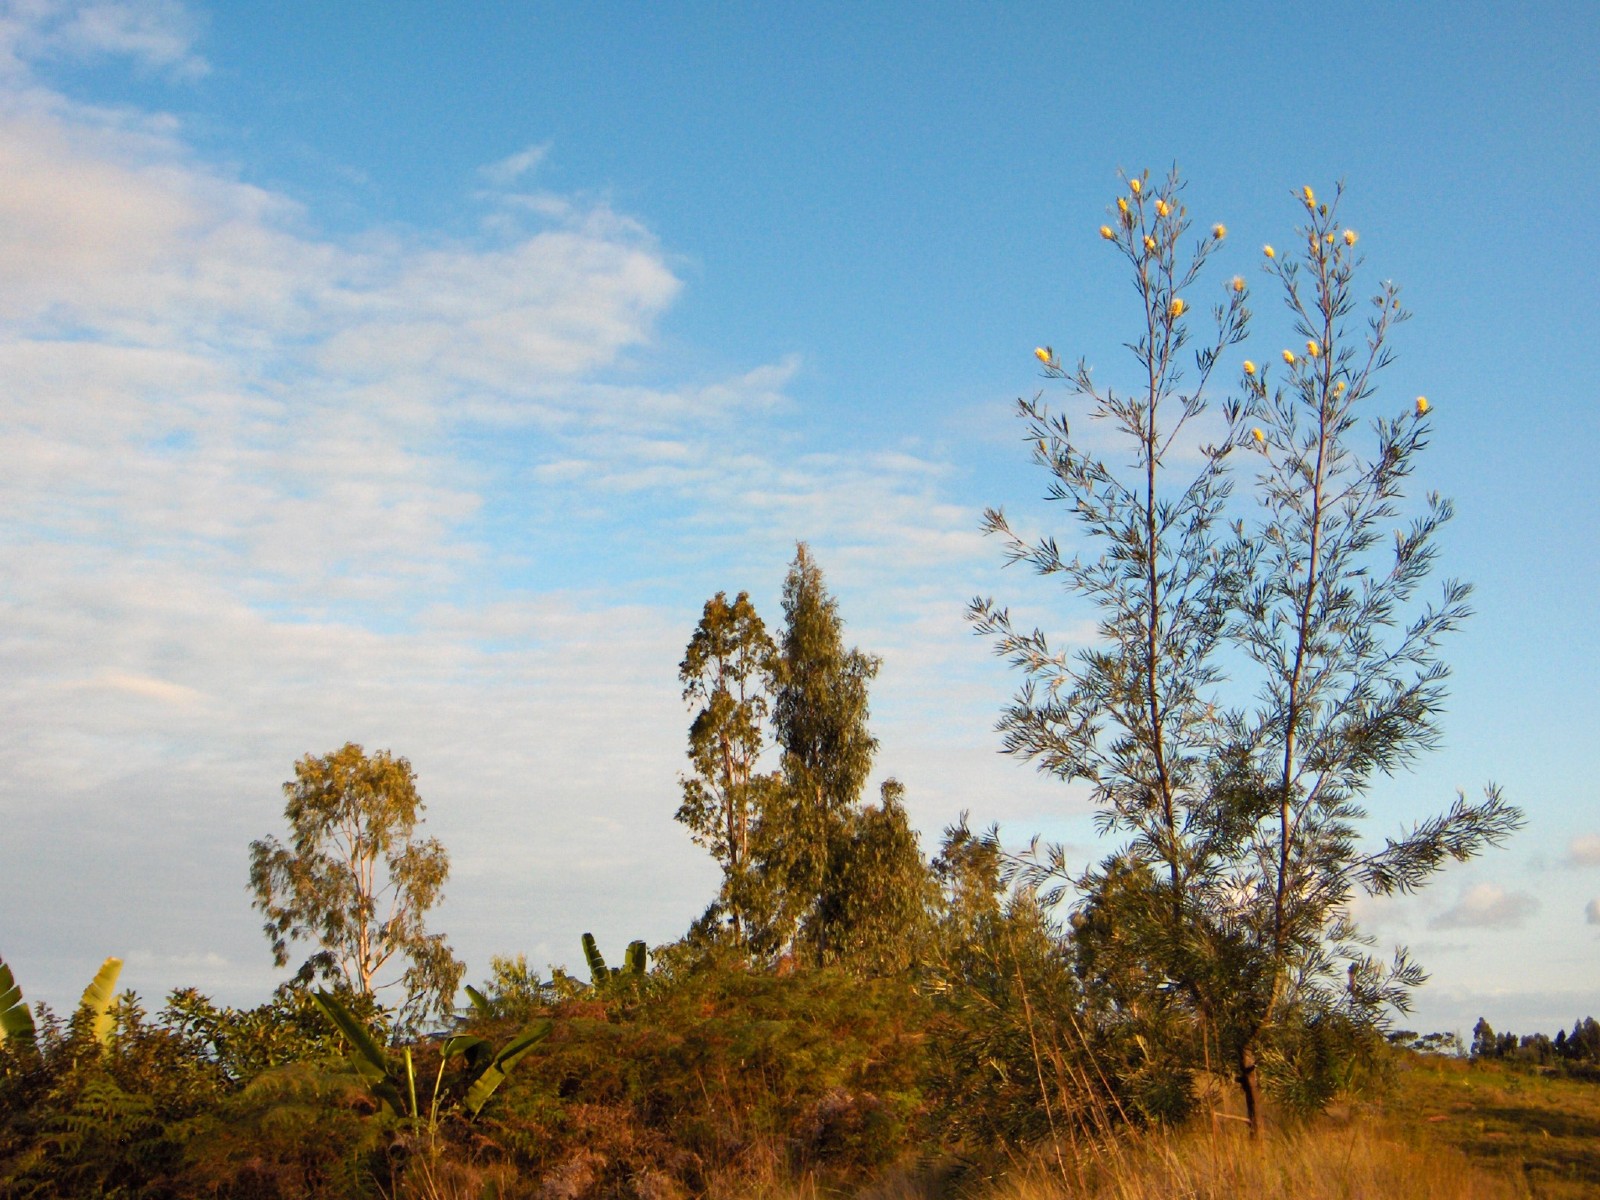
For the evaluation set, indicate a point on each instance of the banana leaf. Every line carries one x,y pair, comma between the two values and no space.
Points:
598,971
494,1074
366,1056
100,997
16,1022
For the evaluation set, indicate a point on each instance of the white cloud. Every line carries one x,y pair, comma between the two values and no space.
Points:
156,35
512,168
261,480
1487,906
1584,850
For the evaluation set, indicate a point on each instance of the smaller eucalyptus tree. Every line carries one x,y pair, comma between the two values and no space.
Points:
727,671
355,881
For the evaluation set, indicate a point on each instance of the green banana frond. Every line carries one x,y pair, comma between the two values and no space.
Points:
16,1022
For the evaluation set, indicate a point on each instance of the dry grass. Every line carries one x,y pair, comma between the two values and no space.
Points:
1329,1162
1360,1159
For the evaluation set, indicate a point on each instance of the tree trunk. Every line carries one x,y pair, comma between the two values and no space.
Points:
1250,1085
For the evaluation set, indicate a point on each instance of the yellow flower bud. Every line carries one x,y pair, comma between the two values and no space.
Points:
1122,206
1150,243
1314,350
1338,388
1308,196
1107,233
1219,231
1288,357
1044,354
1349,237
1135,186
1161,208
1422,406
1269,252
1261,438
1176,307
1238,283
1249,367
1328,237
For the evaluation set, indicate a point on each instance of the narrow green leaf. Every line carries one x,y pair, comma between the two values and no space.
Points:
480,1002
635,959
598,974
367,1056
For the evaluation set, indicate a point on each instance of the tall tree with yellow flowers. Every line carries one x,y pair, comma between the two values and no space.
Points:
1229,891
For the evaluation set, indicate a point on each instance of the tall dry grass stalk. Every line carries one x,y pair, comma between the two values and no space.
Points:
1357,1161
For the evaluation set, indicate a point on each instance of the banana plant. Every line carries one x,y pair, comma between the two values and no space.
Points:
16,1022
607,978
485,1067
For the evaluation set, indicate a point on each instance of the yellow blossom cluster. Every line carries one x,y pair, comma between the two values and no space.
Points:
1162,208
1269,252
1349,237
1177,307
1135,186
1249,367
1313,350
1044,354
1219,231
1422,406
1237,283
1107,232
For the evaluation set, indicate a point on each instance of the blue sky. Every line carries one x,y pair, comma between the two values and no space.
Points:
410,377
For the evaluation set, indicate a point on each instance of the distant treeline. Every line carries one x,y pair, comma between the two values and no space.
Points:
1580,1048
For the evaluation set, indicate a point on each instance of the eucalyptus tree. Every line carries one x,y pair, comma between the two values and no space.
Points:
819,714
1228,896
727,672
357,883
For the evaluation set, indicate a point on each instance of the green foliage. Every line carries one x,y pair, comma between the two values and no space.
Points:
293,1131
720,1074
876,912
244,1043
356,881
513,992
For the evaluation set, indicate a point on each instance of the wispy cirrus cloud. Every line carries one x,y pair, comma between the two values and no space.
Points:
156,35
